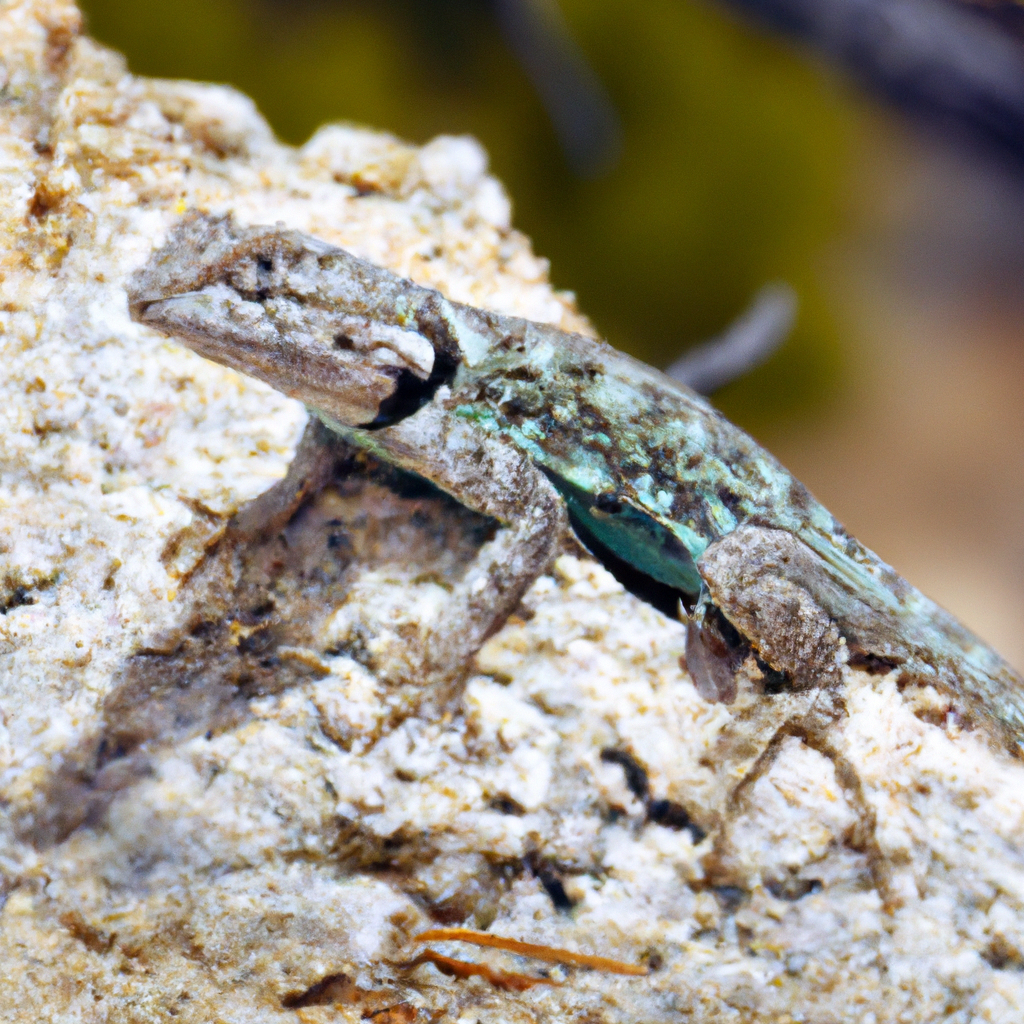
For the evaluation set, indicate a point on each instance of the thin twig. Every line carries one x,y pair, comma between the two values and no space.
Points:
462,969
549,954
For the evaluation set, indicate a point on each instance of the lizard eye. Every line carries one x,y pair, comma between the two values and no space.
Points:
343,343
264,265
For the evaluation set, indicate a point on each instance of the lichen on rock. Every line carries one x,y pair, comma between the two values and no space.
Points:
215,804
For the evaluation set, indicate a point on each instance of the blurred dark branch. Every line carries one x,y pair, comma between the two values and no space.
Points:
933,57
584,119
746,343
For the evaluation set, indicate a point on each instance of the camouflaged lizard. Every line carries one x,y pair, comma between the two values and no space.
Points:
538,428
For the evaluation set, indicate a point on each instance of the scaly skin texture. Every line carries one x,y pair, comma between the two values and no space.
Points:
525,422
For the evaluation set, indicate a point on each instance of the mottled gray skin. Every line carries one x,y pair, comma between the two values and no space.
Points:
523,422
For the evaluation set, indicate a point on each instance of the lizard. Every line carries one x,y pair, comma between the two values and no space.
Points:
546,430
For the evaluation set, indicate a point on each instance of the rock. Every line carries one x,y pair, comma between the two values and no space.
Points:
214,807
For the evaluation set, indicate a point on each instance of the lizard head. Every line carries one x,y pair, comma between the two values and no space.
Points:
311,320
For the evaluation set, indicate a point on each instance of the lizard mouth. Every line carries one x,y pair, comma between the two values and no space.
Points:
412,392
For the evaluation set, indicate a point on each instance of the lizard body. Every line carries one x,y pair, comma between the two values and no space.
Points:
531,424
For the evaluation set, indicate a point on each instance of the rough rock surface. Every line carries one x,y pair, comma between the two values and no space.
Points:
213,807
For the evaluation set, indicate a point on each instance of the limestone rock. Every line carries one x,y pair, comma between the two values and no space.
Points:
213,806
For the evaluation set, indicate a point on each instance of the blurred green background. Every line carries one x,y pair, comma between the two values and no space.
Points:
731,172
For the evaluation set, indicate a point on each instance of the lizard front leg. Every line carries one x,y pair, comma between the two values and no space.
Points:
496,480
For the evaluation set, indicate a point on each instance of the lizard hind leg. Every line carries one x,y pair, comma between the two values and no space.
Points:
748,574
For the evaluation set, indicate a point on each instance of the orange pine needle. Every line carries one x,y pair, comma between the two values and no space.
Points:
463,969
549,954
